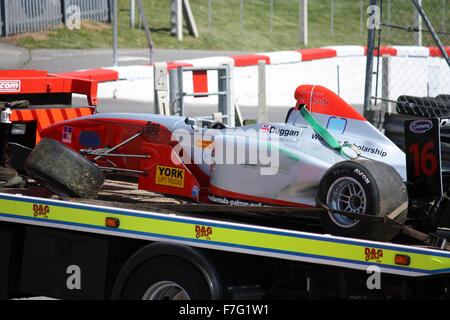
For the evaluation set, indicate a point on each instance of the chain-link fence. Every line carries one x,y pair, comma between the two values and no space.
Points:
412,75
20,16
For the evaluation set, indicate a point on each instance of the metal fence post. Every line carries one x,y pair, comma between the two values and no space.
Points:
132,12
369,68
160,79
63,11
262,101
224,86
173,93
303,22
385,83
115,33
5,18
418,26
180,90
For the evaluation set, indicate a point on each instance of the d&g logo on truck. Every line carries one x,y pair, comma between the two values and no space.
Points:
203,232
372,254
169,176
40,211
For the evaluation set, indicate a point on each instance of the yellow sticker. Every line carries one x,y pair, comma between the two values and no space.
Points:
169,176
203,144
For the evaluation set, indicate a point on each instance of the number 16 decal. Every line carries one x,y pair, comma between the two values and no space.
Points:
423,157
425,161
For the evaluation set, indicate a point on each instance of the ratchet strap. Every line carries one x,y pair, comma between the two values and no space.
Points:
326,136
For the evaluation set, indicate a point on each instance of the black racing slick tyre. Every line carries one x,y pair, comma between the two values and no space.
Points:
63,171
166,278
363,186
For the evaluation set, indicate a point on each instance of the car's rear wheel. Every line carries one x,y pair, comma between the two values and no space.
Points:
366,187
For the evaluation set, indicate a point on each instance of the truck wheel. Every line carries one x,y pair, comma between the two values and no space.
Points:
166,278
63,171
363,186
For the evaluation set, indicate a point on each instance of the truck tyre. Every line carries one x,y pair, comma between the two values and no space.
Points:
63,171
363,186
166,278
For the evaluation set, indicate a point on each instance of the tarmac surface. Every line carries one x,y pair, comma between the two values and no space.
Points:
66,60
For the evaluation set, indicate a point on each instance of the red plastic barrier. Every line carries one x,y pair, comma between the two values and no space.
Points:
249,60
318,53
435,52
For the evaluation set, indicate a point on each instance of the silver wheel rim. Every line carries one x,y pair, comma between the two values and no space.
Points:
346,194
166,290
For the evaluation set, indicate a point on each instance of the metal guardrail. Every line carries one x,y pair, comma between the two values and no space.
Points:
20,16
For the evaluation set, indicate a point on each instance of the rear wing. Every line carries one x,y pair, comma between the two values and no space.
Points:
30,100
423,157
42,88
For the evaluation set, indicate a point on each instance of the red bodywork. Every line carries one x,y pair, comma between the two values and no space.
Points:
162,171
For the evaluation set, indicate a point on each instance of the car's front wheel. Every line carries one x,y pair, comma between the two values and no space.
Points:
367,187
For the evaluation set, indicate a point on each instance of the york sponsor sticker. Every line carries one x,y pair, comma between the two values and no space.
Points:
169,176
9,85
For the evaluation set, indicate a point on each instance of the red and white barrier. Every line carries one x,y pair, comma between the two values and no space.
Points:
340,68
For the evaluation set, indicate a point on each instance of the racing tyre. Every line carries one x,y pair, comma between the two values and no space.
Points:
363,186
166,278
63,171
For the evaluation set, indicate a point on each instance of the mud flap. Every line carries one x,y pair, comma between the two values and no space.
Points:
63,264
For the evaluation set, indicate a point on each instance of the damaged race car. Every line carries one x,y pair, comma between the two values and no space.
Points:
325,154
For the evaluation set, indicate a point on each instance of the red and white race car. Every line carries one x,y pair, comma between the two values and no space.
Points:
325,154
324,151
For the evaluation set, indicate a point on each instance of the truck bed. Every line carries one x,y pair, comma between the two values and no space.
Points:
278,232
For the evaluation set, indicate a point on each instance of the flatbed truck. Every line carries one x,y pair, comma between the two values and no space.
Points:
136,244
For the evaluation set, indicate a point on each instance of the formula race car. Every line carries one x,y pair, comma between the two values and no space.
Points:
324,154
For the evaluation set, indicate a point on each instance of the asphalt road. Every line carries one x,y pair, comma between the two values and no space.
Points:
64,60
